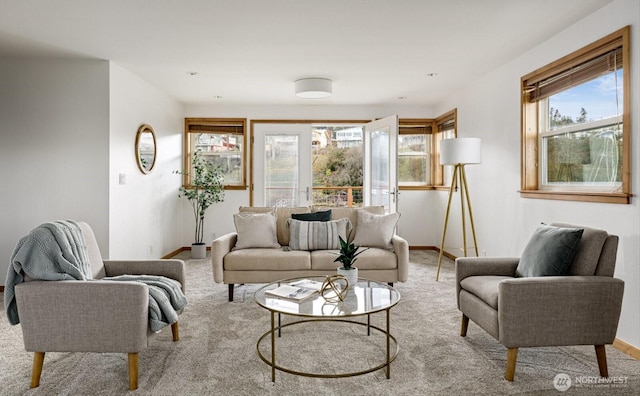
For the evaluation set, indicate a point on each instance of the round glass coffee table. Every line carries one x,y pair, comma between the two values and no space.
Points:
364,299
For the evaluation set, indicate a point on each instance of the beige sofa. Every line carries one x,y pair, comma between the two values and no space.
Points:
267,264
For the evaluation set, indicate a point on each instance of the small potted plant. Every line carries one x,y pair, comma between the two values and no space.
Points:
205,189
348,255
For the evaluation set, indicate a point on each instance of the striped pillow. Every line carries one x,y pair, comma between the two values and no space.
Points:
316,235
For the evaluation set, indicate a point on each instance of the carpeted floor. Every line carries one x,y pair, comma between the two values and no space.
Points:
217,352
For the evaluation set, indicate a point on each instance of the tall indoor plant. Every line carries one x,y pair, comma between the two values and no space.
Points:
206,188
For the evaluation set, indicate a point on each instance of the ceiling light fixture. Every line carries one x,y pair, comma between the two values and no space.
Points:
313,88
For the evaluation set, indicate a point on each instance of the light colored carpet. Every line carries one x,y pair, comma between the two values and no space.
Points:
217,352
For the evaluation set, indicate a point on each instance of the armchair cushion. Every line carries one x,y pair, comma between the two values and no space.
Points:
550,251
484,287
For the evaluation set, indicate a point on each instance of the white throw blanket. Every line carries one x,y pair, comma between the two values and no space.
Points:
57,251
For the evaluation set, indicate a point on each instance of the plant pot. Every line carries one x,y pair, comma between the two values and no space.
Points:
351,275
198,250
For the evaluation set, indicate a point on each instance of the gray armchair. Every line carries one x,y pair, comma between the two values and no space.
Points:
581,308
92,316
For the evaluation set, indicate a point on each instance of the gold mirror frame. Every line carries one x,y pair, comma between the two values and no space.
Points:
146,148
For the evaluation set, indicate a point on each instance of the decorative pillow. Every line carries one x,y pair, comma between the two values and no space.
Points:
282,215
256,230
316,235
375,230
313,216
549,252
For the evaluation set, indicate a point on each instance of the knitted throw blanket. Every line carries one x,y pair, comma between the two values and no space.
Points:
57,251
52,251
165,298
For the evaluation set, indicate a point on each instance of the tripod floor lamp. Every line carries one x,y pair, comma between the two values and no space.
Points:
459,152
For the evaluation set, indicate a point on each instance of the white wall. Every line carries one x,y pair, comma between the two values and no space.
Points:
415,223
146,218
504,220
54,154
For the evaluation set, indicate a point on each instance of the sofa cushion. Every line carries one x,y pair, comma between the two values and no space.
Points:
484,287
267,260
349,213
371,259
549,252
256,230
282,215
313,216
315,235
375,230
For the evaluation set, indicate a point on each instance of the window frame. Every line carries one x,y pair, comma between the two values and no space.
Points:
240,123
531,185
404,128
445,125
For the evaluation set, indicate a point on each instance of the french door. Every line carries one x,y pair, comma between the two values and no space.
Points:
380,181
281,173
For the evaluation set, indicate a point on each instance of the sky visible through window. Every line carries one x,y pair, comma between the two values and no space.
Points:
597,97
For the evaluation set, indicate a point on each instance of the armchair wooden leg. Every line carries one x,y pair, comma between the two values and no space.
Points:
601,354
133,370
464,326
38,361
175,332
512,357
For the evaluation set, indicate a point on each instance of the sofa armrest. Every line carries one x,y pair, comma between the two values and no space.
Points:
83,316
401,249
169,268
559,310
219,248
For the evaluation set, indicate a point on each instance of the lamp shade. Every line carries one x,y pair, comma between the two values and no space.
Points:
460,151
313,88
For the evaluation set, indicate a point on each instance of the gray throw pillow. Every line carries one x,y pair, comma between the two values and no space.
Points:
313,216
549,252
317,235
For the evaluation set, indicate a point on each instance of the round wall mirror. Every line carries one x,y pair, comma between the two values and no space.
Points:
145,148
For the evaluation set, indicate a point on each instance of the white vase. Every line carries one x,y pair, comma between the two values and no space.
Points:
198,250
351,275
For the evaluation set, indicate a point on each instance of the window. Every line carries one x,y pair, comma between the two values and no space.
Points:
575,114
414,153
445,129
222,142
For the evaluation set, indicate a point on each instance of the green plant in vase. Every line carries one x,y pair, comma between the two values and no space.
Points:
348,254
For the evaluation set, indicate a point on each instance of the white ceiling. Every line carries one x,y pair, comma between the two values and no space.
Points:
251,51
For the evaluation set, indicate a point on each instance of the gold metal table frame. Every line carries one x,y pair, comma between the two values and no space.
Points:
386,297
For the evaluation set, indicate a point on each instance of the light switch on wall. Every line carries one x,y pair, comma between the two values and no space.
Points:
122,178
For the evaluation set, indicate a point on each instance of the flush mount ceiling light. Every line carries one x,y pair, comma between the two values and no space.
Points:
313,88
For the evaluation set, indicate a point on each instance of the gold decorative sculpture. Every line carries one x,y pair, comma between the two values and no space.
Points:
334,288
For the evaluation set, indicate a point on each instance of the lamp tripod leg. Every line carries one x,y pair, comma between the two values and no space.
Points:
446,219
463,177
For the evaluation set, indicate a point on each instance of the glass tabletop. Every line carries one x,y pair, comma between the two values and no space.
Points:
365,297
